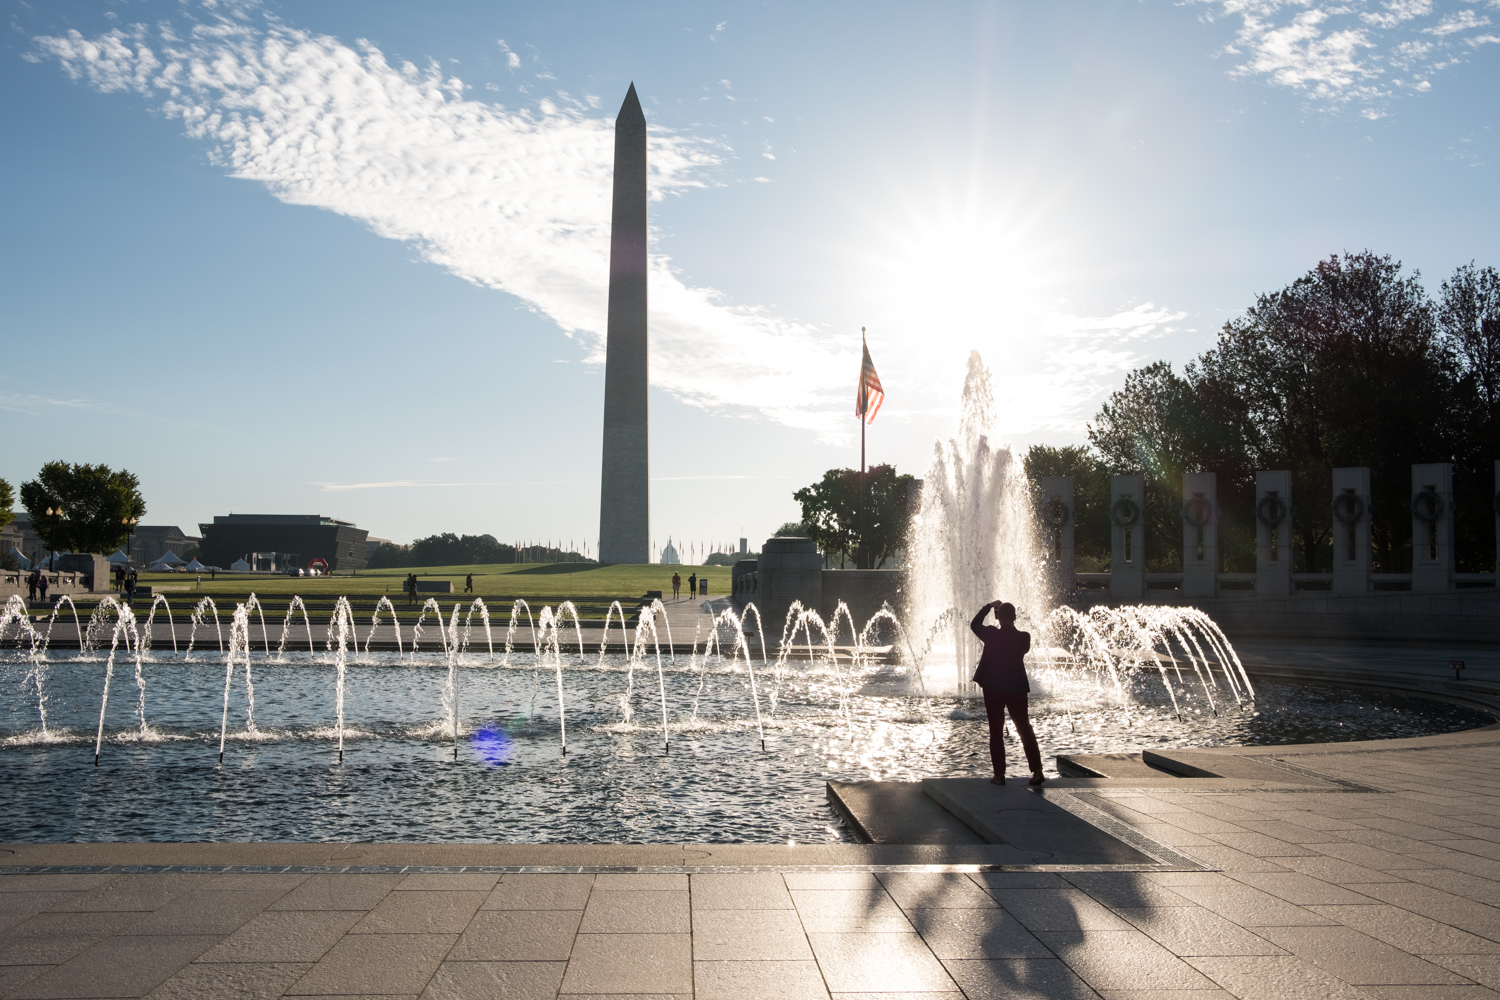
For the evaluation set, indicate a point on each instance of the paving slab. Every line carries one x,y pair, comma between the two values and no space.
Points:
1019,817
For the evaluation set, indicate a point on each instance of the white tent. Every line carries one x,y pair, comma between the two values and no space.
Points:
196,567
171,559
239,566
21,560
118,558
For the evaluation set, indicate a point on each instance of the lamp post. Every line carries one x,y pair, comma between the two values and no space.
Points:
56,516
130,523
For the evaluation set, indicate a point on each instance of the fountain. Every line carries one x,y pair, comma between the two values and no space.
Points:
975,540
740,728
746,728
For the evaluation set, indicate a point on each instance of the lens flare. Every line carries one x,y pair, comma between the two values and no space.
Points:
491,745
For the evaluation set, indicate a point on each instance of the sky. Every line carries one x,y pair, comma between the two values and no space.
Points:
352,258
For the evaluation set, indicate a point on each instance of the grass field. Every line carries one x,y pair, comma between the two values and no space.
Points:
500,580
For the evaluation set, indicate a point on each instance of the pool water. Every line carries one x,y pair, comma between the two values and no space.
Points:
404,777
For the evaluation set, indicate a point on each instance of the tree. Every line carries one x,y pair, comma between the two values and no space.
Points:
830,509
1161,425
388,555
1349,365
7,498
1468,318
1091,494
832,518
445,549
95,500
792,529
728,558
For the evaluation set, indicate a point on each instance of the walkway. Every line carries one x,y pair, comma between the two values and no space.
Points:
1388,887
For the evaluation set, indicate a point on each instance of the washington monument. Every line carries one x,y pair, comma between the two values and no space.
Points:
625,486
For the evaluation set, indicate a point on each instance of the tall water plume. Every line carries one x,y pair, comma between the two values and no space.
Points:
973,539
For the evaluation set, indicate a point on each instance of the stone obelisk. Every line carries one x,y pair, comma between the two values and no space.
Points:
625,486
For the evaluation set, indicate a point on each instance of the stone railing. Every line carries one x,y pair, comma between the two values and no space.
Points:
1433,569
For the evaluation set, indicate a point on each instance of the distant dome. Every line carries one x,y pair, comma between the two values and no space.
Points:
669,556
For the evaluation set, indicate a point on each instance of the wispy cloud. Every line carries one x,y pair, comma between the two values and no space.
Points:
36,405
1352,52
512,200
404,483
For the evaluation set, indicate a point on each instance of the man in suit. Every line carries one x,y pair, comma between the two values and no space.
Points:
1002,676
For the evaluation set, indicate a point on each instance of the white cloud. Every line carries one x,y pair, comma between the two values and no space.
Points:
1346,52
402,483
1464,20
1396,13
512,200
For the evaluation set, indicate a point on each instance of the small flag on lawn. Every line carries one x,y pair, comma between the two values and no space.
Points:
870,395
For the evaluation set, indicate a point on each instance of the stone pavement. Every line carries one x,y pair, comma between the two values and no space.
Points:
1383,880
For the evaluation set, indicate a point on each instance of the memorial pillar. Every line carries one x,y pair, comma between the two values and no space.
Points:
1351,531
1057,531
1127,533
1432,528
1200,534
1273,534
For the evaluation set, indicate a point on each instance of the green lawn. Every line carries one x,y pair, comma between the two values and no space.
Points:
500,580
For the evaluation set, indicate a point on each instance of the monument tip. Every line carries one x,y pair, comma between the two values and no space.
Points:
632,105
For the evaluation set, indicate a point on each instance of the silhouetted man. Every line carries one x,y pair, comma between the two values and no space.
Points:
469,584
676,585
1002,675
693,585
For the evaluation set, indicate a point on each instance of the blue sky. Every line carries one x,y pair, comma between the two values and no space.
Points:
352,257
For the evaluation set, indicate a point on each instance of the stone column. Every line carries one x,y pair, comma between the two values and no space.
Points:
1351,531
1273,534
1200,534
789,569
1127,532
1057,532
1432,528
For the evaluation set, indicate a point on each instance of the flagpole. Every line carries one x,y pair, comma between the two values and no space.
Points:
864,404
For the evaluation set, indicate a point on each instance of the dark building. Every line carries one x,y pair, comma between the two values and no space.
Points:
149,542
293,540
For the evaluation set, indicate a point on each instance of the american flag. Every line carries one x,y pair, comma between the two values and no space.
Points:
869,395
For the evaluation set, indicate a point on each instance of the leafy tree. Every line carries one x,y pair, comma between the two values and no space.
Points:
7,500
1161,425
832,516
389,555
1352,364
445,549
1468,317
792,529
1090,515
830,512
728,558
95,500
